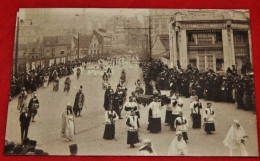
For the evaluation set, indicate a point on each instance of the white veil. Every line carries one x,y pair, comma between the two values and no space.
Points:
233,138
178,147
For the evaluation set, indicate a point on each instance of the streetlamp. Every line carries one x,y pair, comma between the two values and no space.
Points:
16,45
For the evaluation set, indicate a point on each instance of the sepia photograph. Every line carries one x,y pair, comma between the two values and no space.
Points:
132,82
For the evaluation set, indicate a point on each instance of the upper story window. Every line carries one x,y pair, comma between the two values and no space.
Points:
218,37
240,37
191,37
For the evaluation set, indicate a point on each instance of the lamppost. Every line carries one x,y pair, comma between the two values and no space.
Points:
16,45
78,45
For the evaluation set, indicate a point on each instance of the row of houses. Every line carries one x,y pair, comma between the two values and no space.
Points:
59,49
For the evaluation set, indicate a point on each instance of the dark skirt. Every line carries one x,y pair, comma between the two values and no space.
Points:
154,125
137,113
172,120
209,127
168,116
196,121
132,137
109,133
185,136
33,112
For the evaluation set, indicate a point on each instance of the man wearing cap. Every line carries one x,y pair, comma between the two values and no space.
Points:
79,102
33,106
209,115
73,149
25,119
132,123
147,148
178,146
119,100
154,119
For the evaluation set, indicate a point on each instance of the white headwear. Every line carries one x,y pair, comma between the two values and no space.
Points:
180,102
234,136
178,147
68,104
145,143
178,133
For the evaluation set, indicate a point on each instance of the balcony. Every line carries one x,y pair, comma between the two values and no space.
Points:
193,45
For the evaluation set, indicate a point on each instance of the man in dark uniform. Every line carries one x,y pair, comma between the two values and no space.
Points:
25,119
79,102
239,93
229,89
107,97
119,100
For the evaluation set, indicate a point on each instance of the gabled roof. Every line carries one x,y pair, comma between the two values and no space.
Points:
64,40
56,40
84,41
164,38
99,37
50,40
33,45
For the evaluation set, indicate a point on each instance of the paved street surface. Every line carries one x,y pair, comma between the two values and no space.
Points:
90,126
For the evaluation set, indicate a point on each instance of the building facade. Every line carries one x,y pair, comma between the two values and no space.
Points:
56,49
210,39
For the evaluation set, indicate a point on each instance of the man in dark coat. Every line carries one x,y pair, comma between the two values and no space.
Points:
25,119
107,97
79,102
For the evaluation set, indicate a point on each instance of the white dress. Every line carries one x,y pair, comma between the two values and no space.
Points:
178,148
68,128
46,81
233,141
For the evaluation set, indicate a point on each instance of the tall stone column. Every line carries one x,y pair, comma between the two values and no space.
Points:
172,45
228,48
183,49
232,49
